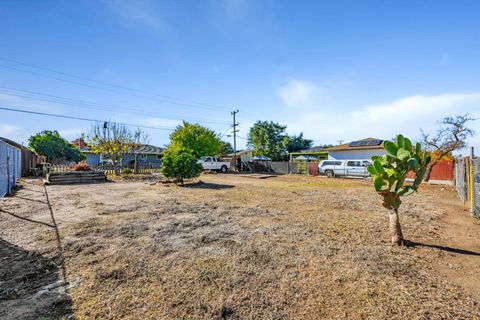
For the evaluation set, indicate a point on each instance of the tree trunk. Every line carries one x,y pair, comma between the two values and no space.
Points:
395,228
428,173
116,169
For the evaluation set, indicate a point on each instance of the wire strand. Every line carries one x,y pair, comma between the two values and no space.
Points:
80,118
114,85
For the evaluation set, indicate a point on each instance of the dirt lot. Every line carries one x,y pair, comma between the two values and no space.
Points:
234,247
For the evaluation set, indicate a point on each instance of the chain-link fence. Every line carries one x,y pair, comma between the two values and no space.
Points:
461,178
467,183
10,167
476,187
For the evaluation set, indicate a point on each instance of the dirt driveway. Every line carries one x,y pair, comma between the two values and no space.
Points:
234,247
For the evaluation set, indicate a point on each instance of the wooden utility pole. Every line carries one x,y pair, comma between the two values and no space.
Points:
235,124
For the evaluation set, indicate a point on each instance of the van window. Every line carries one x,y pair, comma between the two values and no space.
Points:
338,163
326,163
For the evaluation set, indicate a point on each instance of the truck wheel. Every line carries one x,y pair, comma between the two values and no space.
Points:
224,169
329,173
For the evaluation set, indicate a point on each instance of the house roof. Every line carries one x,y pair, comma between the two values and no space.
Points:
148,149
142,149
239,153
364,144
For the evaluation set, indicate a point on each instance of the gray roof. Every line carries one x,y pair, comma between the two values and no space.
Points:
148,149
142,149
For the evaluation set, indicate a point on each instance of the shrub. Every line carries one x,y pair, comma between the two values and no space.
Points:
127,171
81,166
180,165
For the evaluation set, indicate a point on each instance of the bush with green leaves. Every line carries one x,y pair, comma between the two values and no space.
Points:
180,165
389,173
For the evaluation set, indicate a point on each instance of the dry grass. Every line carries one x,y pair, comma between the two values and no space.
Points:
239,248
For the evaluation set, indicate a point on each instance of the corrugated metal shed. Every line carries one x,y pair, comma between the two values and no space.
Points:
10,167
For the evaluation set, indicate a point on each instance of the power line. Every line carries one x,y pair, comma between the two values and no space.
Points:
223,133
96,106
79,118
164,98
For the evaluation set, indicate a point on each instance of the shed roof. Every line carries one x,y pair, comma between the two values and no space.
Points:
13,143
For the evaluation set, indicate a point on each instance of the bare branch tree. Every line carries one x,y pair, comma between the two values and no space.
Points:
113,140
450,136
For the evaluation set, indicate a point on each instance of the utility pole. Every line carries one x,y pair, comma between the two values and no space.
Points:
235,124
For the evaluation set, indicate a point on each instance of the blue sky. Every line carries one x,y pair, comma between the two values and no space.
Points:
335,70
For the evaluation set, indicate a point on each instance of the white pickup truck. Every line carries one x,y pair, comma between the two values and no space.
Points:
213,163
355,168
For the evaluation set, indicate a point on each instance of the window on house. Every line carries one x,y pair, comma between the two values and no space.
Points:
143,156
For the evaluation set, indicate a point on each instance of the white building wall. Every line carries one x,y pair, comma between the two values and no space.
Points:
355,154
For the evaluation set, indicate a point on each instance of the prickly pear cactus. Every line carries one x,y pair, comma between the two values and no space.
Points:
389,171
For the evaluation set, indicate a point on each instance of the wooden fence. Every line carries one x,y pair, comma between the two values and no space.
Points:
144,168
441,172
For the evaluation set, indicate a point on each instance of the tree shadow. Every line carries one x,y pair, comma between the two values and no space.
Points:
207,185
28,199
31,285
443,248
27,277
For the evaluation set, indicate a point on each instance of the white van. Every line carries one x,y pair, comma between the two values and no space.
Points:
355,168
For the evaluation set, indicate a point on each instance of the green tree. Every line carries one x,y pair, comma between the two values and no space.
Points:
297,143
226,148
267,139
180,165
389,173
113,140
52,146
199,141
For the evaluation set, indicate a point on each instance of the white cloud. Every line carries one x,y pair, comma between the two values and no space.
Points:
406,115
71,133
27,103
13,132
297,93
137,12
161,122
7,130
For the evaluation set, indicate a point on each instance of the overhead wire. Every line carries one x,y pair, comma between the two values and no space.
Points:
81,118
108,89
98,106
104,83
